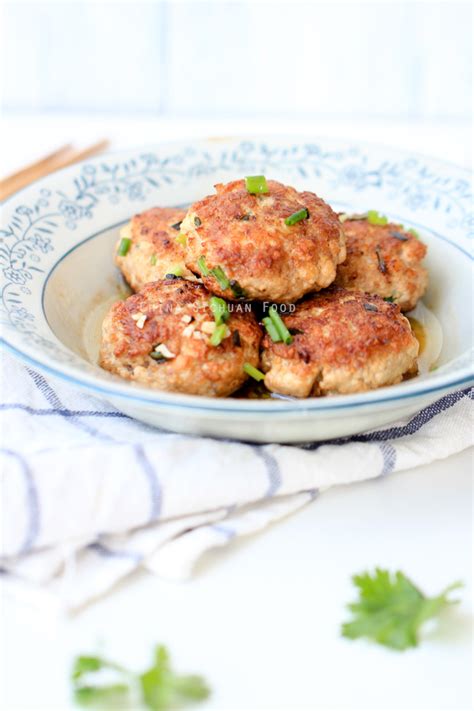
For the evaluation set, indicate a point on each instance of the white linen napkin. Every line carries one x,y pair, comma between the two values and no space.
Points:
89,495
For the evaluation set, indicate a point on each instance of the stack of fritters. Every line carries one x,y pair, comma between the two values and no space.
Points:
202,319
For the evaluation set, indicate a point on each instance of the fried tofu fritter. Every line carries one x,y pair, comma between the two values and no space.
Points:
344,342
246,237
383,260
160,337
155,249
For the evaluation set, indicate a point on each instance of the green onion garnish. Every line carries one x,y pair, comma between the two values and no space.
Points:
219,309
219,273
124,246
375,218
297,217
256,184
176,270
390,299
414,233
153,260
218,335
283,332
181,239
237,290
202,267
254,373
271,330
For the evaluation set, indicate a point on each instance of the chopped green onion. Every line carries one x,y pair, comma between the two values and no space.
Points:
414,233
153,260
375,218
271,330
197,221
254,373
256,184
283,332
124,246
220,332
390,299
202,267
181,239
237,290
297,217
176,270
219,309
219,273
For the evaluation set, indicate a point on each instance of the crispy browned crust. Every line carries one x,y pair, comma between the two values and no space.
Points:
350,342
247,237
379,263
197,368
154,250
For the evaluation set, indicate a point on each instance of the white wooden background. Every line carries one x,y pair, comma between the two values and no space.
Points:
218,59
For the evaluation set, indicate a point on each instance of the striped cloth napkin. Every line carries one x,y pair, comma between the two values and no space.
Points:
90,495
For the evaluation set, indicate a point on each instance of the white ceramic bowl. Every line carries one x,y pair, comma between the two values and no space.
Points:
57,272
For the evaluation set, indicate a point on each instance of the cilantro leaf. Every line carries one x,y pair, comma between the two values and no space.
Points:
163,689
113,696
159,686
83,665
391,609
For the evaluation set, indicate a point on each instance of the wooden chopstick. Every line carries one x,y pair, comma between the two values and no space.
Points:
62,157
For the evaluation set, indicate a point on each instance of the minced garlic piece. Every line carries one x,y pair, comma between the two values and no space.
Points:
208,327
189,330
164,350
140,319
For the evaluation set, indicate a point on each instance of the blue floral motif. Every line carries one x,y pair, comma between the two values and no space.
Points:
72,211
32,229
17,276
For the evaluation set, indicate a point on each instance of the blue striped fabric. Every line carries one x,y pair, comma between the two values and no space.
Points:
116,494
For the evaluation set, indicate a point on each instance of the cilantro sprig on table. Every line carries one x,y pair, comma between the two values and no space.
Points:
391,609
158,688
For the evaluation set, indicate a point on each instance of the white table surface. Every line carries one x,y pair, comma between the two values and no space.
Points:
261,618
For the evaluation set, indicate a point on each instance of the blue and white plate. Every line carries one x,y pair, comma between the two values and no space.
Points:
58,277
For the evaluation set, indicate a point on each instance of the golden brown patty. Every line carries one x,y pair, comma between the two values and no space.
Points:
246,236
383,260
154,251
345,342
174,314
